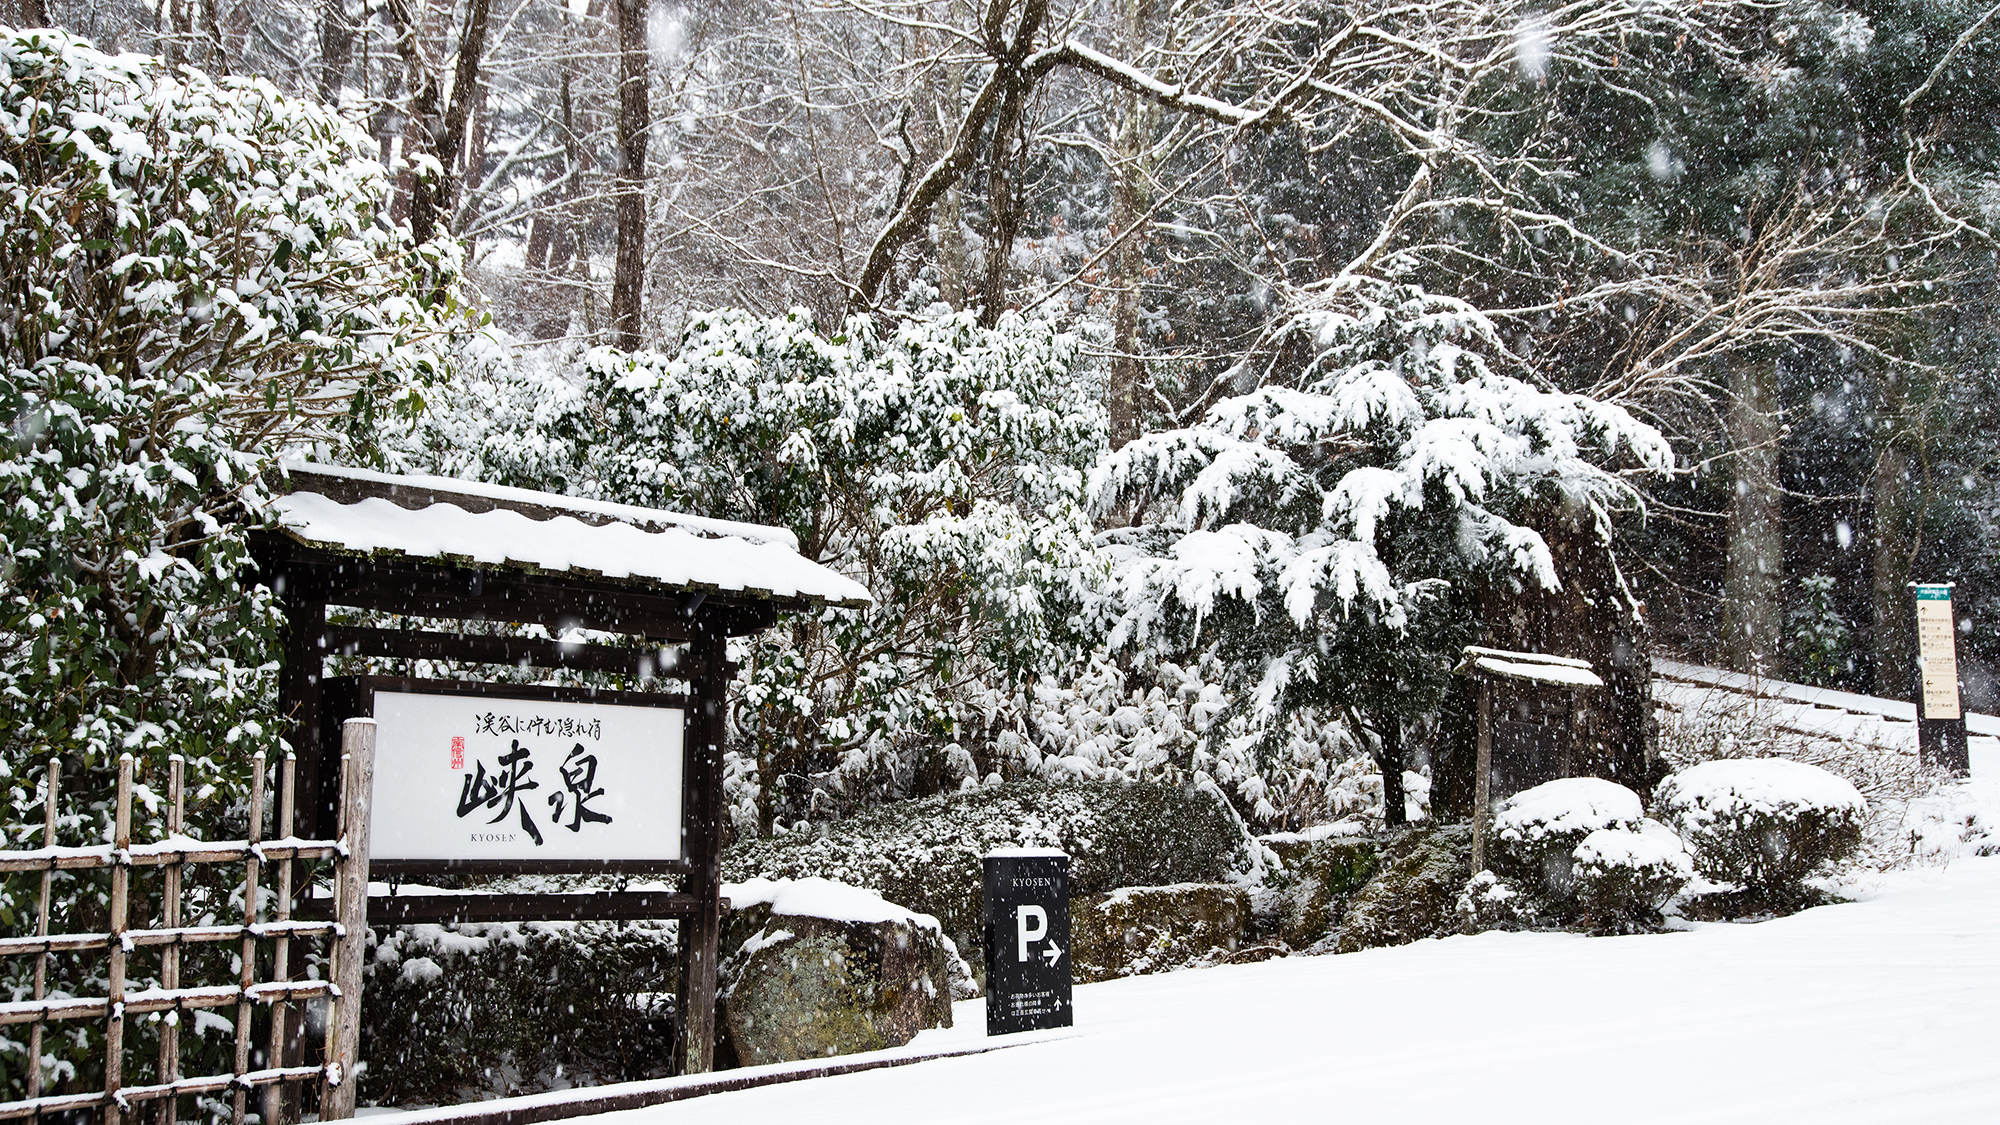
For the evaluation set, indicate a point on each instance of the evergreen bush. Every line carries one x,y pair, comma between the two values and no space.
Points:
464,1013
926,854
1623,878
1537,831
1767,823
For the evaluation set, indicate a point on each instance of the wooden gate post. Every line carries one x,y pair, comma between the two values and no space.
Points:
1482,781
343,1026
699,933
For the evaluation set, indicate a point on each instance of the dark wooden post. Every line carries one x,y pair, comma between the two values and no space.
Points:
1482,779
700,933
299,686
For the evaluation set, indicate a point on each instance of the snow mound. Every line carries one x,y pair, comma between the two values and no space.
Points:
1567,805
815,897
1737,787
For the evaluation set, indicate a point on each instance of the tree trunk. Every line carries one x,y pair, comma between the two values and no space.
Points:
336,47
1895,543
634,127
1128,259
1754,562
1389,758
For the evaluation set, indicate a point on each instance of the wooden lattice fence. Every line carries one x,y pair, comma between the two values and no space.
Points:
272,948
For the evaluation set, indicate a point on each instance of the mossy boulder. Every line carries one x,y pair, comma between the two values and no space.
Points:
926,854
815,969
1321,878
1138,930
1413,893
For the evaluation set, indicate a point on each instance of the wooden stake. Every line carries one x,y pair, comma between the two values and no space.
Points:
252,870
281,947
343,1025
170,957
121,878
42,930
1482,781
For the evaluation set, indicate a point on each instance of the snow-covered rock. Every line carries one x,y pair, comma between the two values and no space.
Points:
818,968
1138,930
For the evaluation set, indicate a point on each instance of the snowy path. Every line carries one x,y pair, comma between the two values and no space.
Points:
1885,1010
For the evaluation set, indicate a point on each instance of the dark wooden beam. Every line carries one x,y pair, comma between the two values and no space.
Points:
444,909
352,640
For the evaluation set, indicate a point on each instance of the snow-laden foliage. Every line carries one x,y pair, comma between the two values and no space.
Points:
1767,823
1624,877
940,463
925,854
1536,831
1160,721
193,272
1327,535
1576,851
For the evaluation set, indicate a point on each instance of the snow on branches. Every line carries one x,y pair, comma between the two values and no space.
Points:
941,463
195,272
1308,528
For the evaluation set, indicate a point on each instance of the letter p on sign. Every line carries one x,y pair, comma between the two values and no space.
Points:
1031,924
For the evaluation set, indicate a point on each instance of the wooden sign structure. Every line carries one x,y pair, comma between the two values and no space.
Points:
531,767
1532,669
1940,718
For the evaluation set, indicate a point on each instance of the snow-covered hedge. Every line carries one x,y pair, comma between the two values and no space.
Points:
464,1013
1767,823
925,854
1536,831
1623,877
1578,849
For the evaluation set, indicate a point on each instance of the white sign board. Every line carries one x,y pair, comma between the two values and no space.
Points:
1937,652
477,777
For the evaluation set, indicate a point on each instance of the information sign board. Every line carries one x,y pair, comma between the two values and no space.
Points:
1937,652
463,777
1027,940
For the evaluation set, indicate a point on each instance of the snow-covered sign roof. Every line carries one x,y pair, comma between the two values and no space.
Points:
1561,671
464,522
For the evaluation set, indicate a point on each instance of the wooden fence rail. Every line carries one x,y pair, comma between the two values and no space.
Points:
261,940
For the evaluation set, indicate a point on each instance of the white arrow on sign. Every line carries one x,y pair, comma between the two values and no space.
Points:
1054,952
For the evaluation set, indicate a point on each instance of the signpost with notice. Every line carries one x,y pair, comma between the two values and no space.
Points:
1027,940
1940,720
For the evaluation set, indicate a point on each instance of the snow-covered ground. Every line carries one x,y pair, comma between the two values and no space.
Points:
1881,1010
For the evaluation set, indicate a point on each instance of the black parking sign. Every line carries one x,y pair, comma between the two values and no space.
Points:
1027,940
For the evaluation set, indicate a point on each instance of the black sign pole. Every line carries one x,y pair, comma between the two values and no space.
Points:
1027,940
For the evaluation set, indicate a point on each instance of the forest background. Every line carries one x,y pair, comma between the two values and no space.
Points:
1189,380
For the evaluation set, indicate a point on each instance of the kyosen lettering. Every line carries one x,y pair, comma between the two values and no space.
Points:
1034,882
504,792
545,726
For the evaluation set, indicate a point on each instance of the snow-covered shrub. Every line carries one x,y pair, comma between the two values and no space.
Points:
1320,531
925,854
1623,877
1536,832
1767,823
941,463
1491,903
194,273
464,1013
